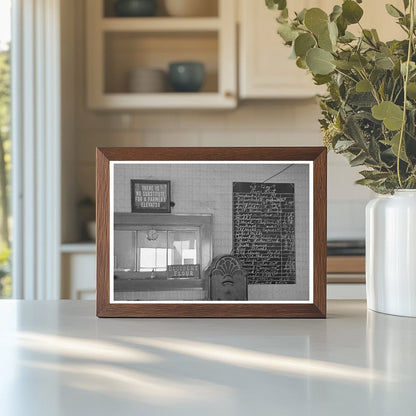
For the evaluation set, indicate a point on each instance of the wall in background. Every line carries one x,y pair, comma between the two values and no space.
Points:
254,123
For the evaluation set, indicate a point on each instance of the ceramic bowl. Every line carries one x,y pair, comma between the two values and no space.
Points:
186,76
147,80
135,8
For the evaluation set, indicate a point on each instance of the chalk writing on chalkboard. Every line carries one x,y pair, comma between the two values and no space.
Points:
264,231
150,196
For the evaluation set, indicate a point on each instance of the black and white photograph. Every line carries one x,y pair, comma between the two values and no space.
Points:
211,231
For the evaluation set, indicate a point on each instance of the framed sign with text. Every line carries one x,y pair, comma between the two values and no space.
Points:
150,196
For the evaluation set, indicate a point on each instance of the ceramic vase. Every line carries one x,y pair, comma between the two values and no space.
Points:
391,253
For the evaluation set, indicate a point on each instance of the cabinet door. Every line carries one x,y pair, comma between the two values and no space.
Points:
265,68
78,276
376,17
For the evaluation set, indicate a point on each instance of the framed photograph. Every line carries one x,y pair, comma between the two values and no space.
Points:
211,232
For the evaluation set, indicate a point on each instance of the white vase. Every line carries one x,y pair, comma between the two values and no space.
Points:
391,253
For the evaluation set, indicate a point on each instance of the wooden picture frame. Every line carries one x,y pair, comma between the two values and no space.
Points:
113,220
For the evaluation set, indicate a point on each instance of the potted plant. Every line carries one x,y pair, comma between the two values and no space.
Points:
368,116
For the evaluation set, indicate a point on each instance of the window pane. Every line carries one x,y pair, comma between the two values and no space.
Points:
183,245
124,246
152,250
5,145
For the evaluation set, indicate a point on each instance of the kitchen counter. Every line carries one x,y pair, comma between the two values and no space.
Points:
57,358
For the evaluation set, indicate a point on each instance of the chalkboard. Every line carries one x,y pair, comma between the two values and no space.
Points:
264,231
150,196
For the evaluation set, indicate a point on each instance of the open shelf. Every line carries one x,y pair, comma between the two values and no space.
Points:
167,100
160,24
210,7
119,45
127,51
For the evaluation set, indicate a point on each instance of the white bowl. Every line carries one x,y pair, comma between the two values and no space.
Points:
191,8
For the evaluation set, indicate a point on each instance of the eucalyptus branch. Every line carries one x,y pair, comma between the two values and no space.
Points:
392,91
406,80
346,75
373,88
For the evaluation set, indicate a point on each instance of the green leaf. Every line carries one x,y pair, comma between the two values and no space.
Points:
343,145
316,20
321,79
333,32
358,61
358,160
287,33
347,37
276,4
354,132
375,35
301,63
406,4
344,65
363,86
374,175
336,12
374,150
393,11
412,67
301,15
320,61
368,36
351,11
384,62
394,145
325,42
303,43
362,99
342,25
411,90
391,114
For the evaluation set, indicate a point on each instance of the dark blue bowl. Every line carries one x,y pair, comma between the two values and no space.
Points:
135,8
186,76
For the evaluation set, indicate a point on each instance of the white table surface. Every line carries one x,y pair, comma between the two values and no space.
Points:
57,358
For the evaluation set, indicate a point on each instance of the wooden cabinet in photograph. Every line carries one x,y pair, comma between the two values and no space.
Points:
116,46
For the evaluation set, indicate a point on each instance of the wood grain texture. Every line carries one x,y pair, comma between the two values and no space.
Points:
103,231
319,230
346,264
317,309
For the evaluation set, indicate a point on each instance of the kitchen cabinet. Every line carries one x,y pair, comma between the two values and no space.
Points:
265,69
118,45
78,263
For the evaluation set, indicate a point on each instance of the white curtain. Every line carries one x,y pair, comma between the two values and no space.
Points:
36,137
